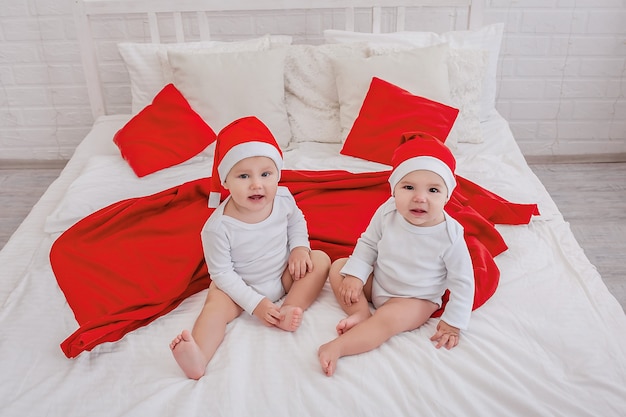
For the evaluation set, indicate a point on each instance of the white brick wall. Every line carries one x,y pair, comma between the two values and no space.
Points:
561,80
562,75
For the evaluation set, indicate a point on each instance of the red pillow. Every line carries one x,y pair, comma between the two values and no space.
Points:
165,133
389,111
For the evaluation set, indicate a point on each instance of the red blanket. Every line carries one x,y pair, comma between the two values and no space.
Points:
136,260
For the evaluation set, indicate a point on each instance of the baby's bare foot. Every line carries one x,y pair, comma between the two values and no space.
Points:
328,355
188,355
349,322
290,318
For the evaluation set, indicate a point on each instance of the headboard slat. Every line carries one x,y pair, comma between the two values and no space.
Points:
475,14
178,27
153,25
203,26
377,19
400,18
350,18
89,60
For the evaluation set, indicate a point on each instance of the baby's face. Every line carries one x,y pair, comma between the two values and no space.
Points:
252,183
420,197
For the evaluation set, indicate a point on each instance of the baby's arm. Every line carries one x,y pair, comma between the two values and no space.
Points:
460,282
350,290
267,312
219,262
298,237
446,335
300,262
360,264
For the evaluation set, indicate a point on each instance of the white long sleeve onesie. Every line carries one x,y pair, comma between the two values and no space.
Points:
247,261
416,262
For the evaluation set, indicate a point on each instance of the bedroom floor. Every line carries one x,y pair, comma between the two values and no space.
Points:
591,197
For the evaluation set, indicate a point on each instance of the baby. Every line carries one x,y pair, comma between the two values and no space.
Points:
411,251
255,244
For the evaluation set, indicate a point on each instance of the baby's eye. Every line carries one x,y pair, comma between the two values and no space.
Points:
243,176
408,187
266,174
434,190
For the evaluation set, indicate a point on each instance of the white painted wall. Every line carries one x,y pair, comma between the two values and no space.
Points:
562,75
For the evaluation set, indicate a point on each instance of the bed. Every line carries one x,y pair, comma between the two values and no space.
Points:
549,340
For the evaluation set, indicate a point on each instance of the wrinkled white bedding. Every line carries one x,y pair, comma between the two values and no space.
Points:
550,342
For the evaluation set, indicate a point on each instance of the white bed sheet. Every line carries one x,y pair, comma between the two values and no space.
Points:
550,342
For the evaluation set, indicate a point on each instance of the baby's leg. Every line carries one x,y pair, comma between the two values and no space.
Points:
395,316
290,318
358,311
352,320
188,355
302,293
194,350
328,355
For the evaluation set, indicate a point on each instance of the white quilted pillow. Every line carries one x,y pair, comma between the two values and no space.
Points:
466,69
311,92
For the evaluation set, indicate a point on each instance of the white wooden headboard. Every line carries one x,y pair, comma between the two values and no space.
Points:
391,15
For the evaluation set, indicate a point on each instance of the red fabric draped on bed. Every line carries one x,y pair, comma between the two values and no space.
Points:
129,263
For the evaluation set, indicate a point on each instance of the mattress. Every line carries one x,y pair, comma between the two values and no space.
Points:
550,341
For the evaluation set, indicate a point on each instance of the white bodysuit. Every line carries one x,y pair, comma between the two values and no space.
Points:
415,262
247,261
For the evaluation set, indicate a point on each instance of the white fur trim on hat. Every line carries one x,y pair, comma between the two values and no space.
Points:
215,198
427,163
247,150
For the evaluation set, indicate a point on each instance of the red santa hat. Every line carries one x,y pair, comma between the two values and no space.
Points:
421,151
243,138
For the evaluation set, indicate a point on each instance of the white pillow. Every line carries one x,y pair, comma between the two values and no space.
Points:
422,71
224,87
148,75
488,38
466,71
311,92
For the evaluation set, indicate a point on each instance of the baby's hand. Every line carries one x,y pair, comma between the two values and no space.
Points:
446,335
267,312
350,290
300,262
